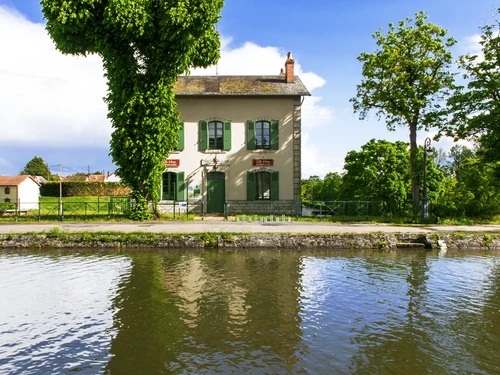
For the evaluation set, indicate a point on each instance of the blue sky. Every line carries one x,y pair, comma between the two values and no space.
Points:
51,105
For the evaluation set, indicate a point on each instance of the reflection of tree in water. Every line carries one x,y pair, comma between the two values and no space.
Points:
149,331
449,324
207,313
479,325
394,343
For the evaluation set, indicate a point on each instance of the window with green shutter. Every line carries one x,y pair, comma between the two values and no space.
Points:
214,135
250,186
263,135
202,135
275,135
262,186
180,186
227,135
169,181
180,142
173,186
250,135
275,186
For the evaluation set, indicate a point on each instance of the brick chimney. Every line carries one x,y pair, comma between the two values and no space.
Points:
289,75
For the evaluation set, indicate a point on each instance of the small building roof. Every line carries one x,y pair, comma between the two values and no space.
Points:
15,180
97,178
239,85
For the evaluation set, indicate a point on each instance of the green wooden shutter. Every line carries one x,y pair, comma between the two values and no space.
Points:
180,142
275,186
179,183
202,135
251,187
227,135
275,135
250,135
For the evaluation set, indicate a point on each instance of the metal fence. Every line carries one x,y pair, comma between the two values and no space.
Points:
358,208
107,209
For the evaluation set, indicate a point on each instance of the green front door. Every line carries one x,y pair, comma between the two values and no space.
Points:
216,192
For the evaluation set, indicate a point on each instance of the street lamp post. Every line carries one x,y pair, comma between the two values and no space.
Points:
425,200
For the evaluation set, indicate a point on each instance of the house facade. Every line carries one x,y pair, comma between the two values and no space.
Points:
24,191
240,144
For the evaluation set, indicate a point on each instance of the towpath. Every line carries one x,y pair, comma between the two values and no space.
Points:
241,227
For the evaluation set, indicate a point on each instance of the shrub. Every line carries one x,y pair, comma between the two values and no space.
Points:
78,189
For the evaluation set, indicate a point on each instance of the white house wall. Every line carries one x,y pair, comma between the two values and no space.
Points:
238,161
29,192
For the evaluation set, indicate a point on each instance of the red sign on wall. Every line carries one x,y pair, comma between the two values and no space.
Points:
263,162
172,163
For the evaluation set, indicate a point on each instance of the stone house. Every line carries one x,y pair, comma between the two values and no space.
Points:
239,145
21,190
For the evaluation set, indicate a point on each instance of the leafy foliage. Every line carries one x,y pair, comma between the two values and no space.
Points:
84,189
380,171
406,80
144,46
476,107
36,167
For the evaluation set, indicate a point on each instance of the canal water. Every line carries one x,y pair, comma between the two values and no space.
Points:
251,312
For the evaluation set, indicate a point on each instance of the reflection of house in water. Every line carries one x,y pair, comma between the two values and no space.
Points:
209,311
252,301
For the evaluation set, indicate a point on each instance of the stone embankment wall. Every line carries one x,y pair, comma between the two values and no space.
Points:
239,241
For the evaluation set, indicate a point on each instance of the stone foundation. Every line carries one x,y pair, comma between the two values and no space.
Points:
228,241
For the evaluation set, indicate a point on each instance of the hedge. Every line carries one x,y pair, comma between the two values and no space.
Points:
79,189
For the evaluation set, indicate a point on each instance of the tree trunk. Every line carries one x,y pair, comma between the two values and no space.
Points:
415,189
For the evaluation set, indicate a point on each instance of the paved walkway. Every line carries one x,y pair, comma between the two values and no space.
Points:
245,227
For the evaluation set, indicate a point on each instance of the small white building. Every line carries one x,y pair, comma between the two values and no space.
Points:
21,190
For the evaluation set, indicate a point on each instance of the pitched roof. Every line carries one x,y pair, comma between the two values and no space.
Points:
239,85
15,180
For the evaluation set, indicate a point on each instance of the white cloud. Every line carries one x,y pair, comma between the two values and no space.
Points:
45,96
472,46
315,163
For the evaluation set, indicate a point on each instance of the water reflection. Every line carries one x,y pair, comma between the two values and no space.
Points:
250,312
207,313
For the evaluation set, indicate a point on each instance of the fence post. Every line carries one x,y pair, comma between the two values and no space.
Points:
62,211
225,210
202,210
320,211
174,208
109,209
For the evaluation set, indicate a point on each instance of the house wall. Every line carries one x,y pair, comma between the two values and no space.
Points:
238,161
12,195
29,192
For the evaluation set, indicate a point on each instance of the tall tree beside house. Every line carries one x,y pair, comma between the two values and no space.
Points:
475,107
144,46
37,167
406,81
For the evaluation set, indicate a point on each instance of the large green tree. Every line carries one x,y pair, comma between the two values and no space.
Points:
379,171
144,46
406,80
36,167
476,107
